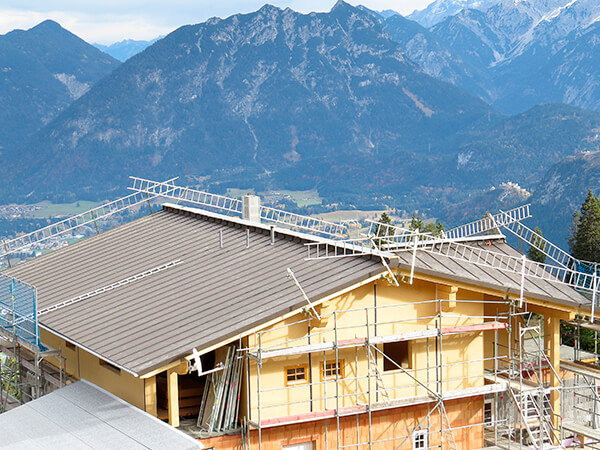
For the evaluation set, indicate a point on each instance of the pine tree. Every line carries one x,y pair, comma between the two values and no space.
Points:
435,228
382,231
385,219
416,224
534,254
585,237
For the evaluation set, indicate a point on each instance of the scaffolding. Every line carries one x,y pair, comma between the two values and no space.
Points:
24,372
369,389
517,381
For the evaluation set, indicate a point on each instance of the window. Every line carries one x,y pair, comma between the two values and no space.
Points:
296,375
420,439
488,411
399,352
299,446
109,366
69,345
330,369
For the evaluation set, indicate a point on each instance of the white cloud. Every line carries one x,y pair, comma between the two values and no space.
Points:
108,21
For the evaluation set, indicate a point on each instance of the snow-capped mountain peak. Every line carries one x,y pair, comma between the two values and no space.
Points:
441,9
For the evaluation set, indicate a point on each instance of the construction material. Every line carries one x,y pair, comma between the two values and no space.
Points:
219,410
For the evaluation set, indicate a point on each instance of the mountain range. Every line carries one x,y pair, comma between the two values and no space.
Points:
125,49
368,108
438,10
42,71
514,54
255,98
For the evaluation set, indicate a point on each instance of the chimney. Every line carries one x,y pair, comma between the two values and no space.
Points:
251,208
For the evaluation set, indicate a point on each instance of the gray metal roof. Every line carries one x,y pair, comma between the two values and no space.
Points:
83,416
485,276
211,295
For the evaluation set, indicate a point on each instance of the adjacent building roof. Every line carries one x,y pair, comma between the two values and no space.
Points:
82,416
199,294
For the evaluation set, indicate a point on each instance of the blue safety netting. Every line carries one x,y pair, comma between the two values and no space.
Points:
18,310
583,277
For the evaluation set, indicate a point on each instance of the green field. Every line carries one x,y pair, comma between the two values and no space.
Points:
48,209
237,193
301,198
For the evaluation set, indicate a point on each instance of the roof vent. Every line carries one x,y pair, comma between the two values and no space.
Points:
251,208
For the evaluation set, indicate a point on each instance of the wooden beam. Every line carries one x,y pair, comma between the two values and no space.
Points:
173,397
552,343
547,309
569,310
448,293
150,404
171,365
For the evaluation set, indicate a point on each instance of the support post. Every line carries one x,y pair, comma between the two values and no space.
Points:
173,396
150,405
552,343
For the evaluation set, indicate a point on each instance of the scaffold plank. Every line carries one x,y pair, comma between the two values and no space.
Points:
580,368
582,430
412,335
399,403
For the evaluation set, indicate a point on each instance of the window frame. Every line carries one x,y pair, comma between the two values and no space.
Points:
295,382
341,373
419,434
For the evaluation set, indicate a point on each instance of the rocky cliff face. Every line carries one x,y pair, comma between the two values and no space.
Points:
440,9
517,54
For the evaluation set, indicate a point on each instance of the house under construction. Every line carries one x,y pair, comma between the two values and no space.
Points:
251,327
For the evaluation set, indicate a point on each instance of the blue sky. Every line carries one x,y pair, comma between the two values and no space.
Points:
108,21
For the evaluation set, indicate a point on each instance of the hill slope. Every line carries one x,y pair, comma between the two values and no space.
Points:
253,98
562,191
42,71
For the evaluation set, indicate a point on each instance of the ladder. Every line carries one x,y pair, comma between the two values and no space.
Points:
379,386
533,406
231,205
92,216
489,224
534,418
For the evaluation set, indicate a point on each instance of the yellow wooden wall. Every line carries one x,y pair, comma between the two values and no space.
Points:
399,310
81,364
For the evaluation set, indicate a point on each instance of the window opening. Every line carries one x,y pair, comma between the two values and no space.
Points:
399,352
